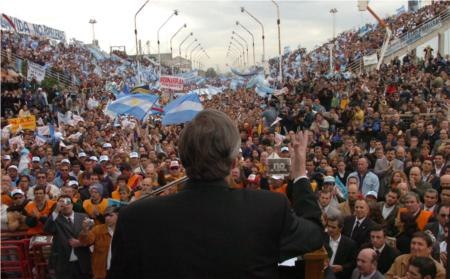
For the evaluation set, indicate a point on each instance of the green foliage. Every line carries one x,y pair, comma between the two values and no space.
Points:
211,73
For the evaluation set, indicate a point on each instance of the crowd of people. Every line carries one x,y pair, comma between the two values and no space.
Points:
377,158
349,46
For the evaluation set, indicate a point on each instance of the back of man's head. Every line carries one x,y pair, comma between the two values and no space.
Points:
208,146
422,267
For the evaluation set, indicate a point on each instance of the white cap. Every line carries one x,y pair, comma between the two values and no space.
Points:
104,158
174,164
65,161
107,145
93,158
72,183
82,154
277,177
372,193
6,157
329,179
36,159
17,191
134,155
284,148
13,167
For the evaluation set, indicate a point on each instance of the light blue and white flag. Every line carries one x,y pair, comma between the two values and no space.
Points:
137,105
182,110
401,10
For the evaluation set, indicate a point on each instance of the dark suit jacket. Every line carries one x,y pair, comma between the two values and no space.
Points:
362,235
345,255
62,231
211,231
386,257
389,222
434,228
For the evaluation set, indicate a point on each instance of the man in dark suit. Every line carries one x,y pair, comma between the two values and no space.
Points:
437,227
208,230
341,249
386,254
69,258
358,227
389,211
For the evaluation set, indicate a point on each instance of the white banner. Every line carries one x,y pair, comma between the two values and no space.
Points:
171,82
14,24
370,60
35,70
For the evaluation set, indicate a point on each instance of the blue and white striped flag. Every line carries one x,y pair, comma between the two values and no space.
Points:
182,110
401,10
137,105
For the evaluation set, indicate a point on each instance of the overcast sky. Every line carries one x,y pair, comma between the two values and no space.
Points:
305,23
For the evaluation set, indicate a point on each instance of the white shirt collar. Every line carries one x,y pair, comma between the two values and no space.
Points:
337,240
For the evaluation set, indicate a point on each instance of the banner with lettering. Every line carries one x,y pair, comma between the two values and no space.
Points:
35,70
171,82
10,23
24,123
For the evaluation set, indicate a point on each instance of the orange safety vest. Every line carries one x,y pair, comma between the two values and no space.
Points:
89,208
421,219
46,211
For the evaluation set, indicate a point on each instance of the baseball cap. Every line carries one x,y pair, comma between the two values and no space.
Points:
93,158
107,145
6,157
329,179
65,161
134,155
72,183
36,159
82,154
104,158
277,177
17,191
284,149
13,167
372,193
174,164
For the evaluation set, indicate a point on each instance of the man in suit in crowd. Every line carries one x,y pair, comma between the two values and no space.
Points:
386,254
357,227
341,249
69,257
208,230
430,201
366,265
385,166
389,210
437,227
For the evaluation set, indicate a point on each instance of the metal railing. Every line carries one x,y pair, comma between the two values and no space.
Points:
52,73
406,39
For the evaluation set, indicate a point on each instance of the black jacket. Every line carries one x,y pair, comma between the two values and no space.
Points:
345,255
362,235
211,231
386,258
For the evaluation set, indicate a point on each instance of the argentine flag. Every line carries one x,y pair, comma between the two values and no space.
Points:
137,105
182,110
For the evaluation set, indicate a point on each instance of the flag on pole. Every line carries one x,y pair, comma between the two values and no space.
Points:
137,105
182,110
